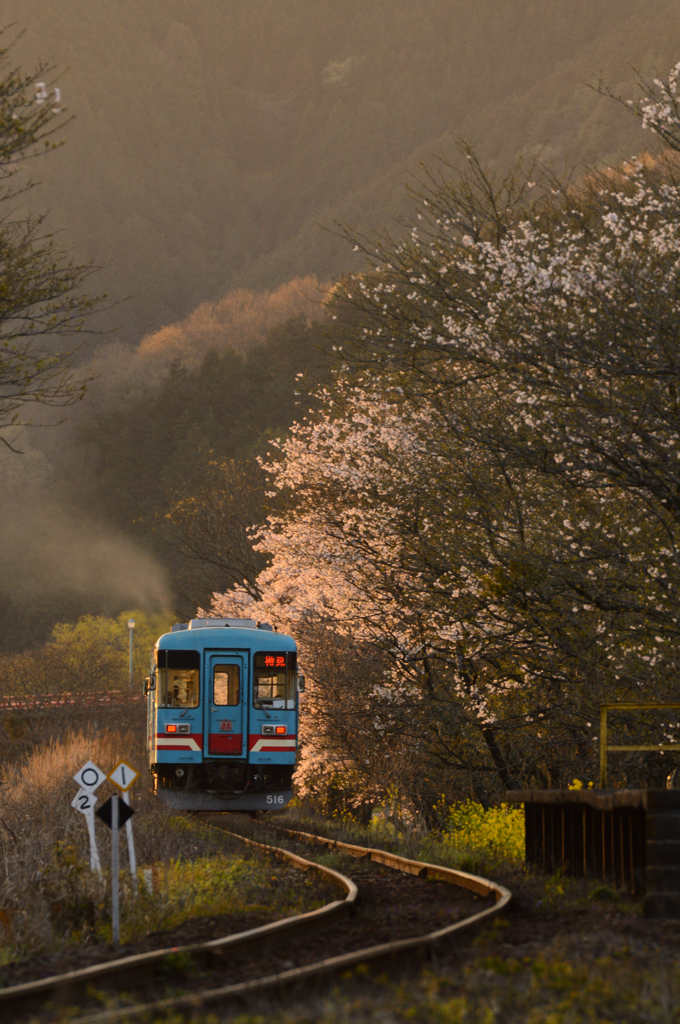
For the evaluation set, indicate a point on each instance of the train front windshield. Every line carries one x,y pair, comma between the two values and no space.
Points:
178,679
274,680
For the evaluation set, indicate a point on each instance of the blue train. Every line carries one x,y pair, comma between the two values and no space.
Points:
222,717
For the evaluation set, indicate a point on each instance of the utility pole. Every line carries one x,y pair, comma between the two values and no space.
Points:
131,626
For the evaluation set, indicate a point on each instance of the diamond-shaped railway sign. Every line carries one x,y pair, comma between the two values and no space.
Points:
125,812
123,776
84,801
89,777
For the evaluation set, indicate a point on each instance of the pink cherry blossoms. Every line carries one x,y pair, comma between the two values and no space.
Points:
485,514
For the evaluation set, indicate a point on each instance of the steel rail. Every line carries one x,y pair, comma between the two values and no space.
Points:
482,886
67,986
389,951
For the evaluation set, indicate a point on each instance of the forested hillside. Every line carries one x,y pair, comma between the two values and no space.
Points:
213,141
213,150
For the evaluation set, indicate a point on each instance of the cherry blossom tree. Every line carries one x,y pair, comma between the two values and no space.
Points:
489,499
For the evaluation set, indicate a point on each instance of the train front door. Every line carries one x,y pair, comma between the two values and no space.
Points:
226,707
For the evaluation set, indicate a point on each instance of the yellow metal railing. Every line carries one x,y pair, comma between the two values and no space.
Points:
604,708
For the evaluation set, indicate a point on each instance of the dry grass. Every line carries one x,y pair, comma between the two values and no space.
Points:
50,898
46,887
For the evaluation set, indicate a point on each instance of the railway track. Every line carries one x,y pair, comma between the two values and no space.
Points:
204,967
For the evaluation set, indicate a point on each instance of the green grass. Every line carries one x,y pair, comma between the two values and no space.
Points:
614,989
210,886
220,884
472,838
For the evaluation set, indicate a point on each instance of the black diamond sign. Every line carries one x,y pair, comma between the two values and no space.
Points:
124,812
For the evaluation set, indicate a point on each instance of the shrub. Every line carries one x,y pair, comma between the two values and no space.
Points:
499,830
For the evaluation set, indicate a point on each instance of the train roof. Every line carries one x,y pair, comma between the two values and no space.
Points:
225,637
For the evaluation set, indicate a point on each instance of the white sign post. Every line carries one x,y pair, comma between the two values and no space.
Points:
123,777
115,901
84,801
89,778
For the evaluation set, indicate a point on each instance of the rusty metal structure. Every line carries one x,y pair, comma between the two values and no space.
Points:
605,747
627,837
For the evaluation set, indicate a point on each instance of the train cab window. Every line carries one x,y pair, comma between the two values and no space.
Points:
274,680
178,679
179,688
226,687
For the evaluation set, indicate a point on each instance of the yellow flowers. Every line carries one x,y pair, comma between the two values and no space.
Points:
498,831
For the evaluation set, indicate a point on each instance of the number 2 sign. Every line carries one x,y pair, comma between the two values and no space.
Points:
84,801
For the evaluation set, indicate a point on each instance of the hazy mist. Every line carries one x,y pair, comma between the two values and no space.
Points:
54,559
214,143
215,149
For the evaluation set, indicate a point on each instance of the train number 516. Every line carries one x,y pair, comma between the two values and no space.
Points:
274,799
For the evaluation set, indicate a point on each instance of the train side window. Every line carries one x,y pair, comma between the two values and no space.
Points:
226,685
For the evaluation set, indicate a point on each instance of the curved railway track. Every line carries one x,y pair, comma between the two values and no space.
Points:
143,970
